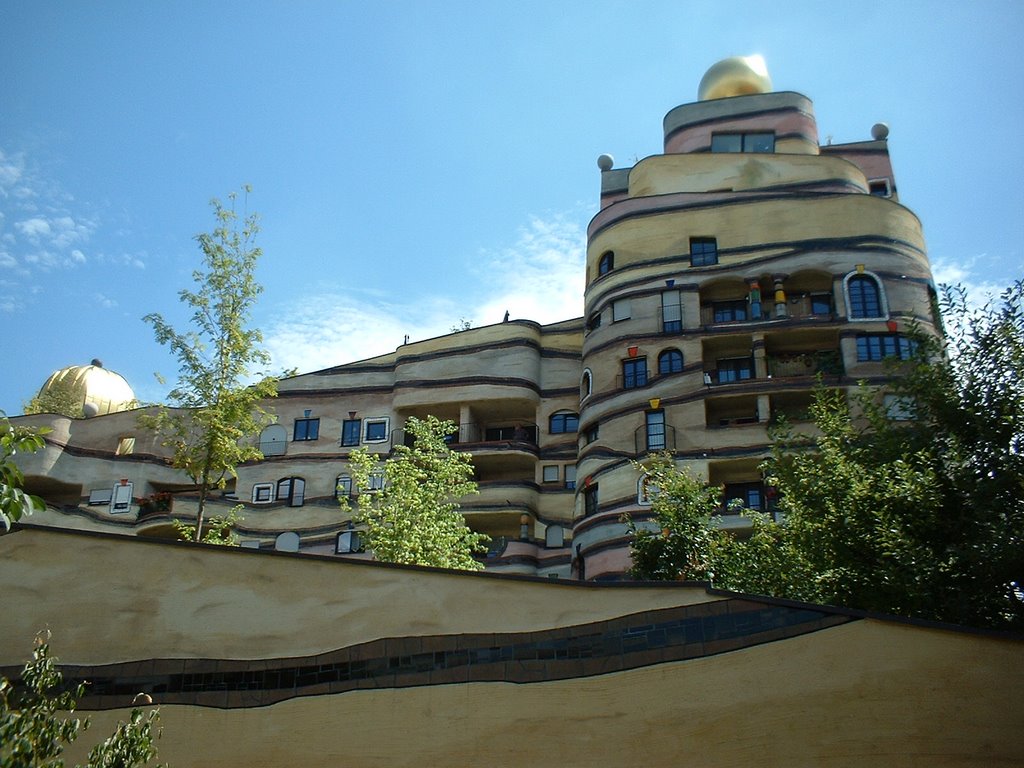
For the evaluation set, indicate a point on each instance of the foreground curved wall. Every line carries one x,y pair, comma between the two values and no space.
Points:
274,659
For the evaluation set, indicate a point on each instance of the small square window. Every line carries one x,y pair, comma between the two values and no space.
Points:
343,487
621,310
879,187
306,429
703,251
262,493
125,446
376,430
375,481
550,473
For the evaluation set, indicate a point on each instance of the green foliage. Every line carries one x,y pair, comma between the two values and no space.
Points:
14,502
680,545
415,517
921,517
217,357
36,722
62,398
220,529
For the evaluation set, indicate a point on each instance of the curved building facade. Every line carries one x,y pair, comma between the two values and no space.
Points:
724,277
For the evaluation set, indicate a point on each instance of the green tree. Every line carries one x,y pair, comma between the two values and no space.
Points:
36,722
63,398
14,502
911,504
212,435
409,504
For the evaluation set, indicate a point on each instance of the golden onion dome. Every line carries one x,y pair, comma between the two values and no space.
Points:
736,76
98,389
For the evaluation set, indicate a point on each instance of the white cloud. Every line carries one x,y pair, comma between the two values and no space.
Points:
104,301
34,229
77,256
539,277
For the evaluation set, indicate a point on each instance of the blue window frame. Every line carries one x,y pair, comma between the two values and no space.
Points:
655,424
560,423
634,373
670,361
306,429
878,346
606,263
703,251
865,297
350,431
735,369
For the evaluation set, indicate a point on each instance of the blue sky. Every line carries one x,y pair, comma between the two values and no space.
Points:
417,163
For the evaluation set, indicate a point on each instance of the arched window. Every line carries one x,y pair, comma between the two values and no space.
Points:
586,385
606,263
273,440
291,490
670,361
560,423
864,297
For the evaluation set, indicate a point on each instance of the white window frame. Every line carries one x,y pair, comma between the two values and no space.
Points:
121,498
257,488
343,486
367,423
883,302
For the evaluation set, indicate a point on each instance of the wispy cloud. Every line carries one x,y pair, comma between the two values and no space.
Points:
538,277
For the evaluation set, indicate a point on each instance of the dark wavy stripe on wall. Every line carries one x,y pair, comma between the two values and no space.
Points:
696,206
332,392
534,561
585,650
94,453
789,109
847,149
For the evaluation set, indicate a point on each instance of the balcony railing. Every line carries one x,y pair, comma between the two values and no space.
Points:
739,312
651,440
473,433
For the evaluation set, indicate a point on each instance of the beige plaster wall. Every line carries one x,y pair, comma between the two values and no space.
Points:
869,693
110,599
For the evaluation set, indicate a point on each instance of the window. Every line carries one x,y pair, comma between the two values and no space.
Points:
620,310
273,440
347,541
590,500
570,476
646,490
703,251
634,373
586,385
554,536
670,361
671,312
376,430
879,187
560,423
125,446
350,432
743,142
291,490
878,346
864,297
343,487
100,496
655,424
729,311
550,473
262,493
735,369
591,434
306,429
821,303
121,497
606,263
898,408
375,481
749,495
594,322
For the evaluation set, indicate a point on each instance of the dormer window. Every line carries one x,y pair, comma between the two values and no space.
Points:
743,142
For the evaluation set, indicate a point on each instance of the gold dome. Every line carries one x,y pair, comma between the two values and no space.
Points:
737,76
96,388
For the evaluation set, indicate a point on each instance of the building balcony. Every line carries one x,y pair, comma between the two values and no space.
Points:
654,439
796,364
477,437
742,313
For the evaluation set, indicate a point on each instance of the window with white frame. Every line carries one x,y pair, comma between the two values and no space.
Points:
343,487
375,481
376,430
586,384
865,298
262,493
550,473
121,498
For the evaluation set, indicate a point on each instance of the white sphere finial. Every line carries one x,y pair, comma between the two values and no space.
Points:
605,162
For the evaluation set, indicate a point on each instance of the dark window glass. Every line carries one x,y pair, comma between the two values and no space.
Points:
634,373
743,142
878,346
343,487
306,429
750,495
671,312
560,423
864,297
670,361
376,431
821,304
350,432
591,434
655,430
607,262
879,187
291,490
703,251
590,500
735,369
727,142
730,311
594,321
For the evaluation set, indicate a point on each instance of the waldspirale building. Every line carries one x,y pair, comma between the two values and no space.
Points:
724,278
